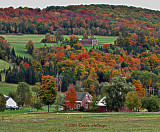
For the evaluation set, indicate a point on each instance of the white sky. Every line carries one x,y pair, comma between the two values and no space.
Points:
149,4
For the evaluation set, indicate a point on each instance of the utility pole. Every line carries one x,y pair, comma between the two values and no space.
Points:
59,78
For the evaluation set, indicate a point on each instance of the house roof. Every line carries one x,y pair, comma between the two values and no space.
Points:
6,97
102,102
81,95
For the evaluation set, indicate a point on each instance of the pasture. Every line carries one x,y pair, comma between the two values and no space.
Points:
19,41
80,122
5,88
4,65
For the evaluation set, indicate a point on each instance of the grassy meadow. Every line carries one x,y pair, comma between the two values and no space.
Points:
5,88
19,41
64,123
4,65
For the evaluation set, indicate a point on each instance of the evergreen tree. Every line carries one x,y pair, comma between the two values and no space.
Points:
13,52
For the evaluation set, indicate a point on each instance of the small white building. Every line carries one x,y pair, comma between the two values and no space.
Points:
10,103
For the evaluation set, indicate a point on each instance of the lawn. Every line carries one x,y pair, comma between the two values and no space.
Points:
68,122
29,110
19,42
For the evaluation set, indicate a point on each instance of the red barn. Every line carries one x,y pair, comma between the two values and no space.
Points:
89,42
84,100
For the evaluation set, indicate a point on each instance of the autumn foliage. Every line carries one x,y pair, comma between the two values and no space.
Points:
48,90
71,98
139,89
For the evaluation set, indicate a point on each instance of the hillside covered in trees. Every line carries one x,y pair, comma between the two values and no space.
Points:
93,19
133,60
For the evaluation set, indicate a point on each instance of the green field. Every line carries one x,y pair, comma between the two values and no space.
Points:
5,88
66,123
4,65
19,42
29,110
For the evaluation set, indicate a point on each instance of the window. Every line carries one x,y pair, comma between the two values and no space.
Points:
78,106
86,98
87,106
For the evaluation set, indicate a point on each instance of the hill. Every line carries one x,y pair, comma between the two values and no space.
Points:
105,20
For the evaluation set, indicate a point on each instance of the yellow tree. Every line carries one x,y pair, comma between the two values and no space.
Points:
133,101
48,90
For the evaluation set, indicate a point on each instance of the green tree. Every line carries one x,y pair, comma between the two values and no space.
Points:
93,104
133,101
13,95
38,106
59,35
36,89
48,90
2,103
59,101
116,92
23,93
151,103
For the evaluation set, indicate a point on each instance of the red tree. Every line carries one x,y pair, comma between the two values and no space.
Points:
71,98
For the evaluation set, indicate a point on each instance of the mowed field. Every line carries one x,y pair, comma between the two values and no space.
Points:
19,42
92,123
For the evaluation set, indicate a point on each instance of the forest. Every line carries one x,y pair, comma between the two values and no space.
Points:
134,55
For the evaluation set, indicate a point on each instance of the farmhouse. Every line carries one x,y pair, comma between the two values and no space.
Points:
84,100
10,103
89,42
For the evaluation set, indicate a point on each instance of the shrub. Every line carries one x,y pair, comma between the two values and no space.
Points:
81,108
151,103
38,106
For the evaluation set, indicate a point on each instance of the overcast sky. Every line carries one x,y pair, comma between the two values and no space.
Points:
149,4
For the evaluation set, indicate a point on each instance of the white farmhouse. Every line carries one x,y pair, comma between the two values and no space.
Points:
10,103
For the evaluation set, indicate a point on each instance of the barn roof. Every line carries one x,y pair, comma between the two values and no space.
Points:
87,39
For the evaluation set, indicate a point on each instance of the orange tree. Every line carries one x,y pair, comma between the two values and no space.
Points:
139,89
71,98
48,90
